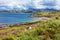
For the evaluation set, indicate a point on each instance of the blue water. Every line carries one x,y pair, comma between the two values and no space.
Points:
13,18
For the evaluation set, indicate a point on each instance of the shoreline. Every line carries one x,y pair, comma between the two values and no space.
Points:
33,21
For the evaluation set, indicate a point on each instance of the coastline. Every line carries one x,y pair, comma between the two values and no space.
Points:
33,21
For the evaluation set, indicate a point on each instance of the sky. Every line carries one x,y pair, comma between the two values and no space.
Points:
26,4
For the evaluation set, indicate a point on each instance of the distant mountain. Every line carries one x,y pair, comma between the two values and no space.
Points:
30,10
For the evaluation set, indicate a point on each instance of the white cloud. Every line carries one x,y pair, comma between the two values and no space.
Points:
57,6
22,4
13,3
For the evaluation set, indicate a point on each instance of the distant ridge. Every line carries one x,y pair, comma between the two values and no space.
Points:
30,10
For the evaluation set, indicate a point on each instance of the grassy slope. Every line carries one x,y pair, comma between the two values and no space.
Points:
41,30
46,14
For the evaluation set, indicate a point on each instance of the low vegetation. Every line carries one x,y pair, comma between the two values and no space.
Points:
46,13
41,30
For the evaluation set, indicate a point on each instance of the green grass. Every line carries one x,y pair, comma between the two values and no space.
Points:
46,13
41,30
